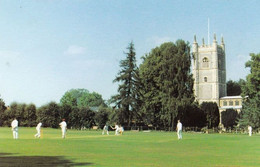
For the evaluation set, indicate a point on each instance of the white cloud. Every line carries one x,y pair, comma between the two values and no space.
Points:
75,50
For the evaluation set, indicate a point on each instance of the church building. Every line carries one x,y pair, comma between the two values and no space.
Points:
209,72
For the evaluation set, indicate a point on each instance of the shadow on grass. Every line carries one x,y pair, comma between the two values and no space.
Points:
7,160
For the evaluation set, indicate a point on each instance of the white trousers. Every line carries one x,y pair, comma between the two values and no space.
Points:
63,131
38,134
179,133
15,133
117,132
104,132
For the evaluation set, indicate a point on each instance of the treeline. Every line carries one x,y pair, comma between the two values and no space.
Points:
79,107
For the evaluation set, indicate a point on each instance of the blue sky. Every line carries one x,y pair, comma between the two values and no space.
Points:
48,47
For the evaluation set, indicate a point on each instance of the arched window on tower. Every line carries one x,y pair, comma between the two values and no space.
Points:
205,62
205,79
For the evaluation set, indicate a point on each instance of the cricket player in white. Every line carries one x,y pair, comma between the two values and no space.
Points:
121,129
250,130
179,129
105,129
14,126
38,129
116,128
63,126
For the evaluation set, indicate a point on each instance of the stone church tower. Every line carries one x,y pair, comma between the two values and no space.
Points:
209,71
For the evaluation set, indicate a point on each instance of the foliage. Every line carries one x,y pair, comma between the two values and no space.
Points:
81,98
212,113
49,115
65,111
250,114
77,115
229,118
192,116
166,82
86,118
80,118
102,116
2,111
126,100
30,115
91,100
234,88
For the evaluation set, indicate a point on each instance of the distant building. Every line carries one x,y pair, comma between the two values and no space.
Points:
230,102
209,72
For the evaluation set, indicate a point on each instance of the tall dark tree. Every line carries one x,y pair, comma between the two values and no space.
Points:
212,113
167,83
125,100
229,118
250,114
234,88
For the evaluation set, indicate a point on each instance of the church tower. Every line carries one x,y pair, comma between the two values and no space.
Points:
209,71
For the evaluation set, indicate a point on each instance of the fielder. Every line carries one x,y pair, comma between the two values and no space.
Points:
249,130
38,129
14,126
179,129
121,129
63,126
105,129
116,128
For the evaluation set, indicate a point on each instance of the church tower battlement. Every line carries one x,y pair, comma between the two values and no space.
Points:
209,71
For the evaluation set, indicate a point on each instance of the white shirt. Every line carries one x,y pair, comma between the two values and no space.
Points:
179,126
105,127
63,125
39,126
117,127
14,124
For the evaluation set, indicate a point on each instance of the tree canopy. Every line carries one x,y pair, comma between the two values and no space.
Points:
82,98
250,114
167,83
234,87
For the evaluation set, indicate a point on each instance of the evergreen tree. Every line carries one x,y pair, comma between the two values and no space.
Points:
167,83
126,99
250,114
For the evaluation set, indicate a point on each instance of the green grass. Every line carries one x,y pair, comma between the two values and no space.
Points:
90,148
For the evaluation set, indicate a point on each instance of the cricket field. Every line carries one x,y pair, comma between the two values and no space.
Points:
142,149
